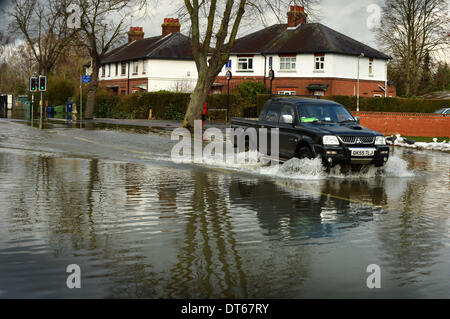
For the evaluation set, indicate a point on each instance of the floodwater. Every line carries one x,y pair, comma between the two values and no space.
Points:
140,226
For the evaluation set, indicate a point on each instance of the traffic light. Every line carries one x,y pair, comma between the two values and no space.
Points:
42,83
33,84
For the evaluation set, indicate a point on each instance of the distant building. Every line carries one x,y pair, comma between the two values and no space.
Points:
308,59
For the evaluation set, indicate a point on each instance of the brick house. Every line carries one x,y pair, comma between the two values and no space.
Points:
308,59
162,62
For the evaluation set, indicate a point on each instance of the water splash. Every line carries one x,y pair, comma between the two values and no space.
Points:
397,167
297,169
308,169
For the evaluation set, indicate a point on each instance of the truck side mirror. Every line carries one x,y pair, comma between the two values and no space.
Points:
287,119
358,120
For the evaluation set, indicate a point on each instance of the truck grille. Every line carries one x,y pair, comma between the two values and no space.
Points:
366,140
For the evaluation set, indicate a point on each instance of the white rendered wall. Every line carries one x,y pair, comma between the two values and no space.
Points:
171,75
336,66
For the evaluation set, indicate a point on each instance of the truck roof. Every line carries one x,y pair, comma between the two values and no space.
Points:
297,100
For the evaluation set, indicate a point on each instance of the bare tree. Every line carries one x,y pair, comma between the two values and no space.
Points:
102,28
214,28
411,29
43,24
4,42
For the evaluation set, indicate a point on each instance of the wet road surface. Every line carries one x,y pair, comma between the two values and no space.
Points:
140,226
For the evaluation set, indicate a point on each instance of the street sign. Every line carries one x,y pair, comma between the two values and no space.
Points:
271,75
270,61
229,75
86,79
228,66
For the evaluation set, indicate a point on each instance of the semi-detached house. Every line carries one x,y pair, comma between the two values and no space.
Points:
308,59
157,63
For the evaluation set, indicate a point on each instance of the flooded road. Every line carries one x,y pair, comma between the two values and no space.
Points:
140,226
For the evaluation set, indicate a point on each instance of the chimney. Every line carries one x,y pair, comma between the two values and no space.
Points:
135,33
170,26
296,16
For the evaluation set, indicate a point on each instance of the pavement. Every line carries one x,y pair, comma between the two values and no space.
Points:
148,123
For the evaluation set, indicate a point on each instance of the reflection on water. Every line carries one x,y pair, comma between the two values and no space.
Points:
148,230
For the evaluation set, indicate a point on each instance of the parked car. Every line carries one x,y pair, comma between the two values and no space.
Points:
443,111
310,128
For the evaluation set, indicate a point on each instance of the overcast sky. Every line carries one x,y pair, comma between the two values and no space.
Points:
350,17
346,16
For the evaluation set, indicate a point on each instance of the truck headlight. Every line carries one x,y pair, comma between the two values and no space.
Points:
380,140
330,140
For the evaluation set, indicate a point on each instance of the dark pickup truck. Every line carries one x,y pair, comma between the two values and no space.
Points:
309,128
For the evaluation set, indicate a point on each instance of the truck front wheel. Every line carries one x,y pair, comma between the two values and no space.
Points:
304,152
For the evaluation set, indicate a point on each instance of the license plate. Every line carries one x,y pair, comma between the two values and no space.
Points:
363,153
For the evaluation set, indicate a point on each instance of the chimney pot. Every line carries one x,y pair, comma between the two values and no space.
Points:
170,25
135,33
296,16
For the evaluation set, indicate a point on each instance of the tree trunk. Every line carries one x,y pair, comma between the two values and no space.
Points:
92,91
198,99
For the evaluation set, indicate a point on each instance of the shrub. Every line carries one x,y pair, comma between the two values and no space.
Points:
219,101
247,92
59,91
107,105
165,105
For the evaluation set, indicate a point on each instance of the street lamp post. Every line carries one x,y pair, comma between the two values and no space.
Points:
357,98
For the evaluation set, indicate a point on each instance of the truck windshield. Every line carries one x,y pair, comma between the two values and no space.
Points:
309,113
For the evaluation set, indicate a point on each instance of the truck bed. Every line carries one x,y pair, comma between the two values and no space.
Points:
244,122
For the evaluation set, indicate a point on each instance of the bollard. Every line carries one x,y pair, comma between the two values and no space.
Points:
205,110
69,106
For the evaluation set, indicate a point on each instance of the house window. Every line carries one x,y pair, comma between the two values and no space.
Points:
117,69
287,63
319,62
371,67
245,64
136,68
109,70
287,92
103,71
124,68
144,67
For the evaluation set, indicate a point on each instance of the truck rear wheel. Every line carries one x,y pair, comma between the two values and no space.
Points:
304,152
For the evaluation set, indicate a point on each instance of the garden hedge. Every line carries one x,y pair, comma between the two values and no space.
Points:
172,106
378,104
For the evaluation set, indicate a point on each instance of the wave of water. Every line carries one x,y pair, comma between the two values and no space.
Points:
304,169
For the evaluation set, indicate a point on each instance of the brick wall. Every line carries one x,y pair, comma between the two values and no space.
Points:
122,85
335,86
406,124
